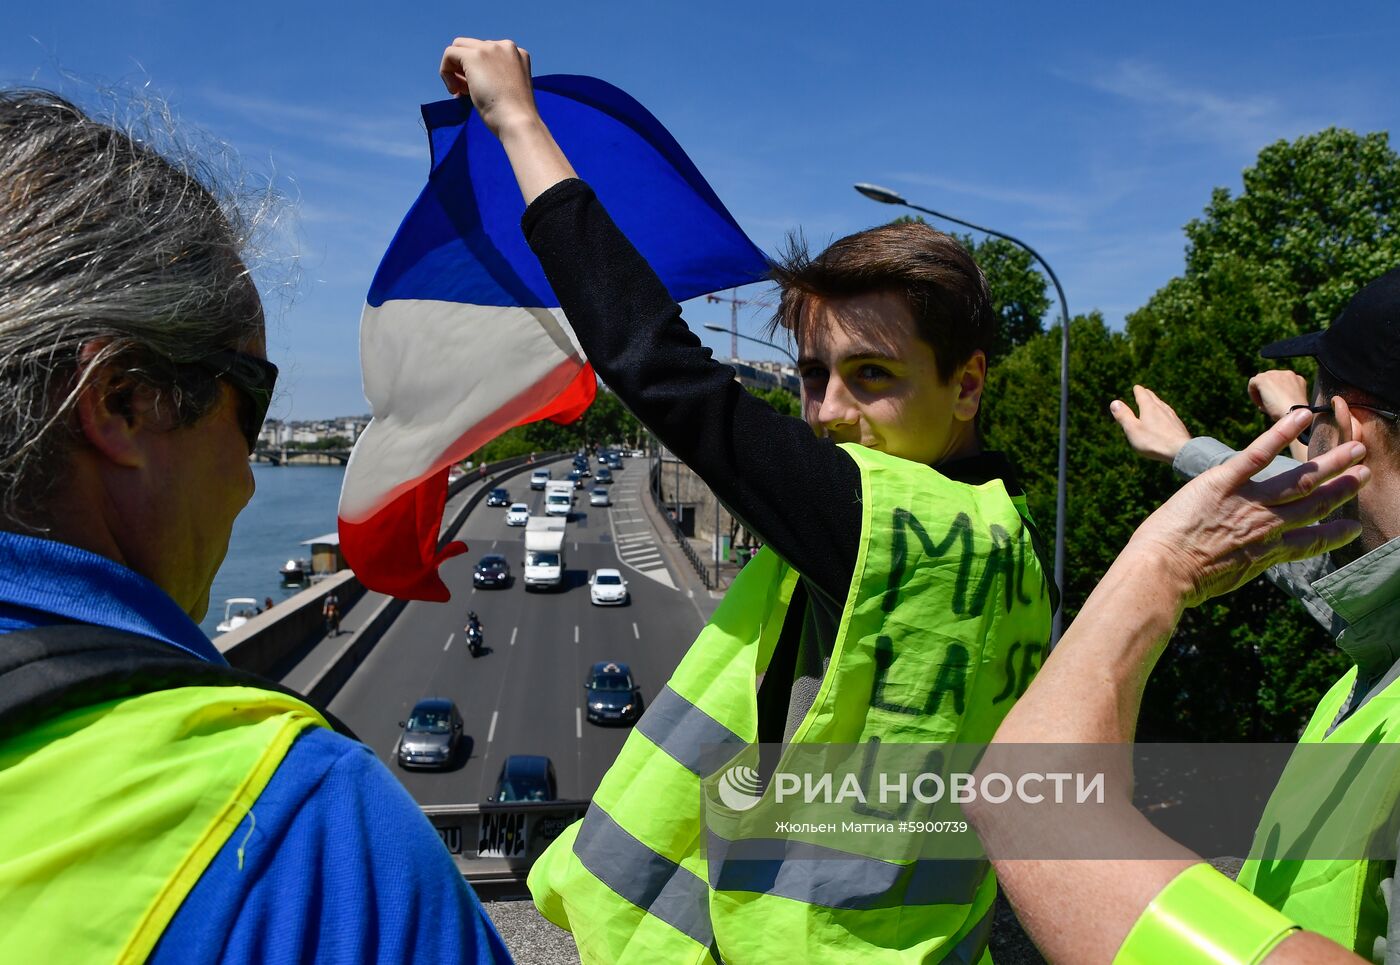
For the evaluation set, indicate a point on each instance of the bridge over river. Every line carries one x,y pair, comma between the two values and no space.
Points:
284,457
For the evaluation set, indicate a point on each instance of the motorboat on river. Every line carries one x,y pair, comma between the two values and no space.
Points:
295,571
238,610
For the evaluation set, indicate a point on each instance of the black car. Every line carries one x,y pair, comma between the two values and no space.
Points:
576,477
526,777
492,570
432,738
498,497
612,696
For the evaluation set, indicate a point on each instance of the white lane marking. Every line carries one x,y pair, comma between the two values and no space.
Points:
578,723
491,734
635,632
575,547
513,632
575,633
449,642
494,542
473,591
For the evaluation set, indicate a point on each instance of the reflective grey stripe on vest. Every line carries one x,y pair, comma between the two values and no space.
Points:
974,943
685,732
653,883
837,879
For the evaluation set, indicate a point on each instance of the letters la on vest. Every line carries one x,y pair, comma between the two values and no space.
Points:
945,620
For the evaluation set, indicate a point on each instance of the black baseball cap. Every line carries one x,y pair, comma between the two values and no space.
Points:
1361,347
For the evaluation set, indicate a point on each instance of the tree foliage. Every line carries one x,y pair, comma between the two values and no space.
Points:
780,399
1317,218
605,422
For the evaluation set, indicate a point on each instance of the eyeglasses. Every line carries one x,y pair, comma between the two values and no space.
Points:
1306,435
253,378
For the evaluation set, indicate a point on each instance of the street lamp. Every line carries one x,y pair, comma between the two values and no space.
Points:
750,338
885,196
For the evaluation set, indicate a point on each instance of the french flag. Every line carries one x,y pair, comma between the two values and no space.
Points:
462,338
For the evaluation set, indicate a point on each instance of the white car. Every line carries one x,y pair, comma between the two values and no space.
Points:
607,588
518,514
599,497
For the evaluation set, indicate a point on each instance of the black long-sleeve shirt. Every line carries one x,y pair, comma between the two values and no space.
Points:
799,493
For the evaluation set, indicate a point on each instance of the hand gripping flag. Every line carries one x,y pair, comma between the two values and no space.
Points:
462,338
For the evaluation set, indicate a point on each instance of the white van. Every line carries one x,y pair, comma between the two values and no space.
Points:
558,497
538,478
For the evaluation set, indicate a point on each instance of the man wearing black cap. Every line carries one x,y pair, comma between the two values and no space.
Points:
1356,396
1354,591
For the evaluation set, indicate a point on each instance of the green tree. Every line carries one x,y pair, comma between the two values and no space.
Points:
1020,416
780,399
606,421
1316,219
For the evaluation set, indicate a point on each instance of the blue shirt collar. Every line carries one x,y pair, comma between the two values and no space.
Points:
44,582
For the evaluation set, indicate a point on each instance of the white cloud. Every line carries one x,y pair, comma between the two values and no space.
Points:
386,137
1240,122
1048,202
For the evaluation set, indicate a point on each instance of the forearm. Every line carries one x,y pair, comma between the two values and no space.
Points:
536,159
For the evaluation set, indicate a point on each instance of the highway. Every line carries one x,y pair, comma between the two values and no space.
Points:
524,695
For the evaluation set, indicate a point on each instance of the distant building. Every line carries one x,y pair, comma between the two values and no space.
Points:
766,375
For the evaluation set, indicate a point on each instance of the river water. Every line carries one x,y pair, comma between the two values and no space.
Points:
292,503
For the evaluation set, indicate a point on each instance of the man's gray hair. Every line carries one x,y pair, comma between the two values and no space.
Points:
105,241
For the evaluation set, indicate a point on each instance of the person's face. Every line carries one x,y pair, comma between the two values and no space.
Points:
207,480
867,377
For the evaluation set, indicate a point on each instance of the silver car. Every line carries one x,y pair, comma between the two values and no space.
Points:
599,497
432,737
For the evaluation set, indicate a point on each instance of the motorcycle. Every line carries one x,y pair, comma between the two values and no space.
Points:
476,641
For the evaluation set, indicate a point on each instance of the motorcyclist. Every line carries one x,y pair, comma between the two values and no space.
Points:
474,631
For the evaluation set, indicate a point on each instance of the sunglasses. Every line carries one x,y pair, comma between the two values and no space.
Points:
254,379
1306,435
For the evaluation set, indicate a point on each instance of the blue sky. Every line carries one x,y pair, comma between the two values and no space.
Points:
1094,132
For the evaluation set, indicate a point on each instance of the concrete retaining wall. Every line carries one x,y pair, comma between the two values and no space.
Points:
266,640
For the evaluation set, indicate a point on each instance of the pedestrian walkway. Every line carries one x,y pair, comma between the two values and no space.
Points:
301,668
634,537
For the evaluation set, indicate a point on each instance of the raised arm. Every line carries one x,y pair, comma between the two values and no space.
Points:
1216,533
1156,432
799,493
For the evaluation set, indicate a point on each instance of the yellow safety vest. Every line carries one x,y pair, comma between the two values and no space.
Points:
946,613
1338,898
110,814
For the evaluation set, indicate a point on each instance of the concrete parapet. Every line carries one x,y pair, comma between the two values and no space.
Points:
266,640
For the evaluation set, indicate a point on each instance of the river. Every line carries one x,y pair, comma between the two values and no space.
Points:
292,503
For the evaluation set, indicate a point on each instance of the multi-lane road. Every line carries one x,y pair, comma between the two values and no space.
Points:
525,695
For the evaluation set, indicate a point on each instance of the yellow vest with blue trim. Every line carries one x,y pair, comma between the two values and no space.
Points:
110,814
946,613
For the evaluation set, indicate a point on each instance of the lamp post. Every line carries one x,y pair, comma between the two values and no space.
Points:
750,338
885,196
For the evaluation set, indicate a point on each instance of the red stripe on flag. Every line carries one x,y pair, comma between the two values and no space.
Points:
395,550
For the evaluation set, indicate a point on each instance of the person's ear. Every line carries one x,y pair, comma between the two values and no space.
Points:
971,379
1348,428
113,410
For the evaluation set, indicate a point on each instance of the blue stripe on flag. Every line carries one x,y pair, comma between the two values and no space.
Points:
462,242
